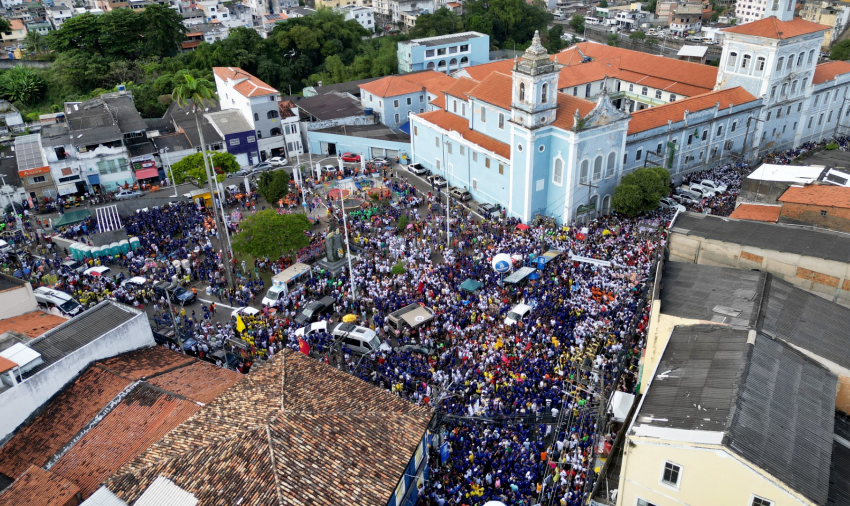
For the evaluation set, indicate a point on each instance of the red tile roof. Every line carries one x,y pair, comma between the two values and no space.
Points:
138,421
567,105
479,72
449,121
655,117
756,212
773,28
39,487
6,364
827,71
31,324
145,363
249,86
589,72
199,381
393,86
61,419
439,101
495,89
818,195
461,87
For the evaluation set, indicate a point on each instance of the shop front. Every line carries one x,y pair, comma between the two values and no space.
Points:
146,173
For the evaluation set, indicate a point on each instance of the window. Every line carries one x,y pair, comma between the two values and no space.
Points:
441,51
734,126
251,138
462,149
773,92
760,501
800,59
256,117
483,115
658,94
780,63
421,99
817,98
759,63
612,165
625,158
396,118
558,172
720,130
644,91
429,53
454,106
522,92
501,169
395,103
544,93
463,108
768,115
587,90
639,154
464,47
811,57
690,139
794,87
820,119
272,115
415,131
641,502
585,166
437,142
745,61
733,60
39,179
790,63
575,91
449,147
409,101
487,161
597,168
501,121
823,213
672,97
705,134
271,98
234,142
784,89
829,118
810,122
475,156
631,87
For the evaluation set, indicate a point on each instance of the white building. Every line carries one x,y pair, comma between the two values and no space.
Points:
260,104
747,11
363,15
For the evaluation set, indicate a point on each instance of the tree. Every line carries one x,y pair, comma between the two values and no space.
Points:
21,84
273,186
577,23
603,4
641,190
650,7
442,22
35,43
5,26
164,30
508,22
638,35
554,41
271,235
840,51
614,40
192,167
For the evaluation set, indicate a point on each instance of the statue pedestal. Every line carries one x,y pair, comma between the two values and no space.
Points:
335,267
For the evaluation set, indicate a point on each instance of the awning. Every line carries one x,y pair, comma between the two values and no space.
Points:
71,217
519,275
66,189
94,178
405,127
147,173
522,226
470,285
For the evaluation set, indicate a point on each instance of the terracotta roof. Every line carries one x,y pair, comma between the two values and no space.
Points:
756,212
449,121
190,44
460,87
479,72
145,363
773,28
439,101
199,381
567,105
655,117
587,73
289,433
249,86
16,24
61,419
495,89
6,364
818,195
37,486
139,420
827,71
32,324
393,86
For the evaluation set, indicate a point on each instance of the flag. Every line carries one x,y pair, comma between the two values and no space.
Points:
240,325
303,346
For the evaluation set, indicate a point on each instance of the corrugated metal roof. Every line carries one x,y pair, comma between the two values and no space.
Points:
784,417
164,491
103,497
839,476
711,293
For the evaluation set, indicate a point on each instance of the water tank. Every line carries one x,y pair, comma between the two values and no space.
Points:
367,111
121,87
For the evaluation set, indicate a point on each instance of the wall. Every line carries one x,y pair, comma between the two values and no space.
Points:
38,64
827,278
348,121
21,401
353,144
710,475
17,301
837,218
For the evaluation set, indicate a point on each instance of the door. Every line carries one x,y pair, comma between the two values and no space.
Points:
331,149
378,153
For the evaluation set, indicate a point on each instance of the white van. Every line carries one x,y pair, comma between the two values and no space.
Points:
5,247
518,314
410,317
360,339
55,301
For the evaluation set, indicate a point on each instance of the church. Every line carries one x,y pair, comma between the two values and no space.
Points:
553,134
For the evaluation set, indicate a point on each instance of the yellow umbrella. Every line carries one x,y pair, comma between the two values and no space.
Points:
349,318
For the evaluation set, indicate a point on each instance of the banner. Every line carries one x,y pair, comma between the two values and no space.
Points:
587,260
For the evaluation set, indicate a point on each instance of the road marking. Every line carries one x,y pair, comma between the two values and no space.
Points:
218,304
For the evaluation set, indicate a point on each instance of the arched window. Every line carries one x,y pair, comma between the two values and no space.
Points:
272,114
794,87
256,117
732,61
606,204
430,65
780,63
275,131
612,165
585,166
558,172
453,63
441,65
544,93
464,60
811,57
790,62
644,91
522,92
597,168
760,64
801,58
745,61
784,89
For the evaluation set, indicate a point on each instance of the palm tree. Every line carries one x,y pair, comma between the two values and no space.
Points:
35,43
199,94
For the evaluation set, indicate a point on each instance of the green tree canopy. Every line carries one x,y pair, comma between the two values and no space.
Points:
508,22
628,200
641,190
840,51
273,186
192,168
21,84
5,27
577,23
614,40
442,22
164,30
638,35
271,235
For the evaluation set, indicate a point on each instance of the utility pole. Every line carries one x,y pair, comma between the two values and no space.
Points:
225,256
174,324
590,187
171,171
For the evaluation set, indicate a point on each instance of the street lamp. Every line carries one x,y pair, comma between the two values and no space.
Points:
171,171
347,246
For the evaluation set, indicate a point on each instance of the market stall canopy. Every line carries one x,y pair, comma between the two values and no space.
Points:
470,285
71,217
519,275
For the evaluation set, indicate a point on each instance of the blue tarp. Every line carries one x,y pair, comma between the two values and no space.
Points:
405,127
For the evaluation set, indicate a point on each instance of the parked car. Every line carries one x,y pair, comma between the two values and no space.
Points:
128,194
488,209
379,161
175,293
314,310
669,203
244,311
137,281
277,161
329,169
262,167
688,198
313,328
702,190
437,180
418,169
244,171
73,265
350,157
460,193
717,187
519,313
100,270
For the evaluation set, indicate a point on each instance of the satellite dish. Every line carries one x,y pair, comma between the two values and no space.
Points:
502,263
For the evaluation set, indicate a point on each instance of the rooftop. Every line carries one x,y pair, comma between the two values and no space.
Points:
41,487
495,89
184,119
818,195
229,122
829,70
778,237
334,105
243,82
658,116
393,86
123,109
32,324
773,28
441,40
352,87
263,439
452,122
378,131
28,152
799,174
756,212
177,141
10,283
91,123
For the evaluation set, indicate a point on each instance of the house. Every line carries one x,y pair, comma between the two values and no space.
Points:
16,299
747,11
257,438
181,121
361,14
15,37
685,18
393,11
204,32
33,169
817,205
830,13
445,53
259,104
239,136
333,4
395,98
41,27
